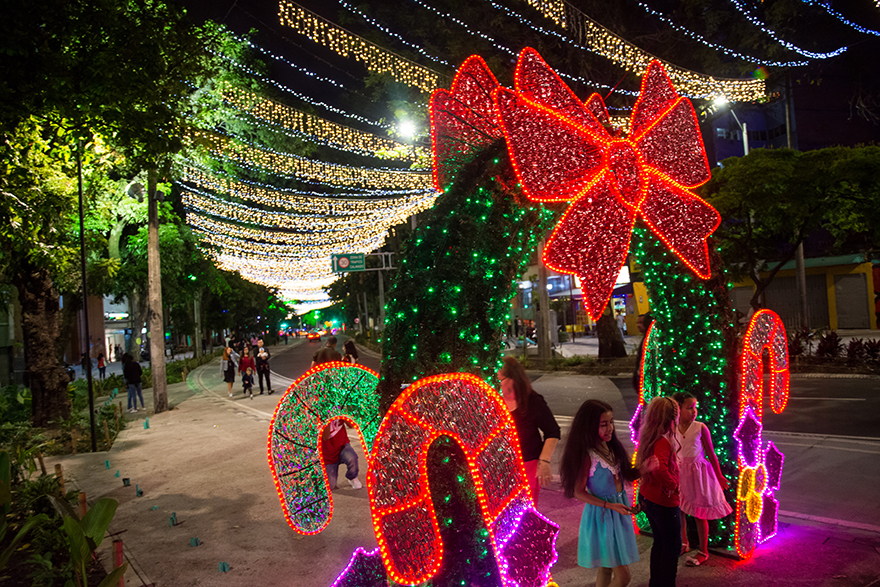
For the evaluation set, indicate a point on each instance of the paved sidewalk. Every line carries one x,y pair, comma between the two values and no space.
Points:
205,460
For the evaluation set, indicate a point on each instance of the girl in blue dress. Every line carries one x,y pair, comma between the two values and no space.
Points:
596,470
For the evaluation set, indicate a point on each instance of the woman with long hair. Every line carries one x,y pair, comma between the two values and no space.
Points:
351,352
535,425
659,494
228,365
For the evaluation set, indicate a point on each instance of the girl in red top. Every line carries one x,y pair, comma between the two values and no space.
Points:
659,490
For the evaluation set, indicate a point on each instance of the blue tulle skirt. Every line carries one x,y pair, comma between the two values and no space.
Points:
606,538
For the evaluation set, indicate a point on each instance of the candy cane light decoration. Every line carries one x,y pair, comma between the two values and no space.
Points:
760,467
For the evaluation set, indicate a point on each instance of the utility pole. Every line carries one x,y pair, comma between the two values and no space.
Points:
87,356
543,341
381,324
800,268
197,311
157,326
366,315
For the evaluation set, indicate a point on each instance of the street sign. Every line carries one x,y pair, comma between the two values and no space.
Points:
348,262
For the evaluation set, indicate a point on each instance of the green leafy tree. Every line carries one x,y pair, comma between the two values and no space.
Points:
36,196
772,199
120,68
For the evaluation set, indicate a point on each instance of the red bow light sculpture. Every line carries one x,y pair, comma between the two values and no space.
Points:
561,150
463,119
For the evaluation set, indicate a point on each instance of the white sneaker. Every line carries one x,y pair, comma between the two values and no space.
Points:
356,483
230,395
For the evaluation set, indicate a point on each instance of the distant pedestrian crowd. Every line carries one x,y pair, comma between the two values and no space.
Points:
250,359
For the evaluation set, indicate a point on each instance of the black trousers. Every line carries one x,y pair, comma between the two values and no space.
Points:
666,527
260,375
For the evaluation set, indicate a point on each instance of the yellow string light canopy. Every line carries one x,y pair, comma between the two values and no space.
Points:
347,44
306,169
339,220
320,129
599,39
284,245
351,203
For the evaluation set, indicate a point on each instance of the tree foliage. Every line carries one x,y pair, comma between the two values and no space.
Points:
772,199
73,70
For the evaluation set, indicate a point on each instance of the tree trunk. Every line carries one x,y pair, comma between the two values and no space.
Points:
46,375
610,340
157,327
115,239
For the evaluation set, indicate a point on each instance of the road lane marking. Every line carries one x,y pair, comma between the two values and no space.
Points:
828,399
623,427
832,521
826,447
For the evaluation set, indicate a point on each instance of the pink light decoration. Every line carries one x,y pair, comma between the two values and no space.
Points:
464,408
562,150
364,569
760,468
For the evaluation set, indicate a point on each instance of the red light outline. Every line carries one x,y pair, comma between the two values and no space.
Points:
469,64
509,100
506,426
751,362
284,506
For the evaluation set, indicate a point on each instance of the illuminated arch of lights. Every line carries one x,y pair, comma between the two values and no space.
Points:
347,44
603,42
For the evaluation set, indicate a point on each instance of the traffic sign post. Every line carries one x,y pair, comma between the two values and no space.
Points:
348,262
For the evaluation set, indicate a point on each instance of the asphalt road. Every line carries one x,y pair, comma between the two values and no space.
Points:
293,363
817,405
823,406
829,476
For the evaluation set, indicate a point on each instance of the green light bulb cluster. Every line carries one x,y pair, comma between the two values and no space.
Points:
451,299
696,348
449,305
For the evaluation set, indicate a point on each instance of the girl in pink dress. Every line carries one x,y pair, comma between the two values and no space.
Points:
702,484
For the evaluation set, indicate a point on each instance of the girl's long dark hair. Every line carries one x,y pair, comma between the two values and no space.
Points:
350,349
584,436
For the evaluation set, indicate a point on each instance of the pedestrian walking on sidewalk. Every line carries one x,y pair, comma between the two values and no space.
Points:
102,366
131,372
262,361
228,365
702,484
536,427
246,362
327,353
597,470
351,352
659,492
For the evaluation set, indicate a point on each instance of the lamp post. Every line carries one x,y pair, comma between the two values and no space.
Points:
87,355
800,270
722,101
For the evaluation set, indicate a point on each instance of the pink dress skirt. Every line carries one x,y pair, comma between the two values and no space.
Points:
701,494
